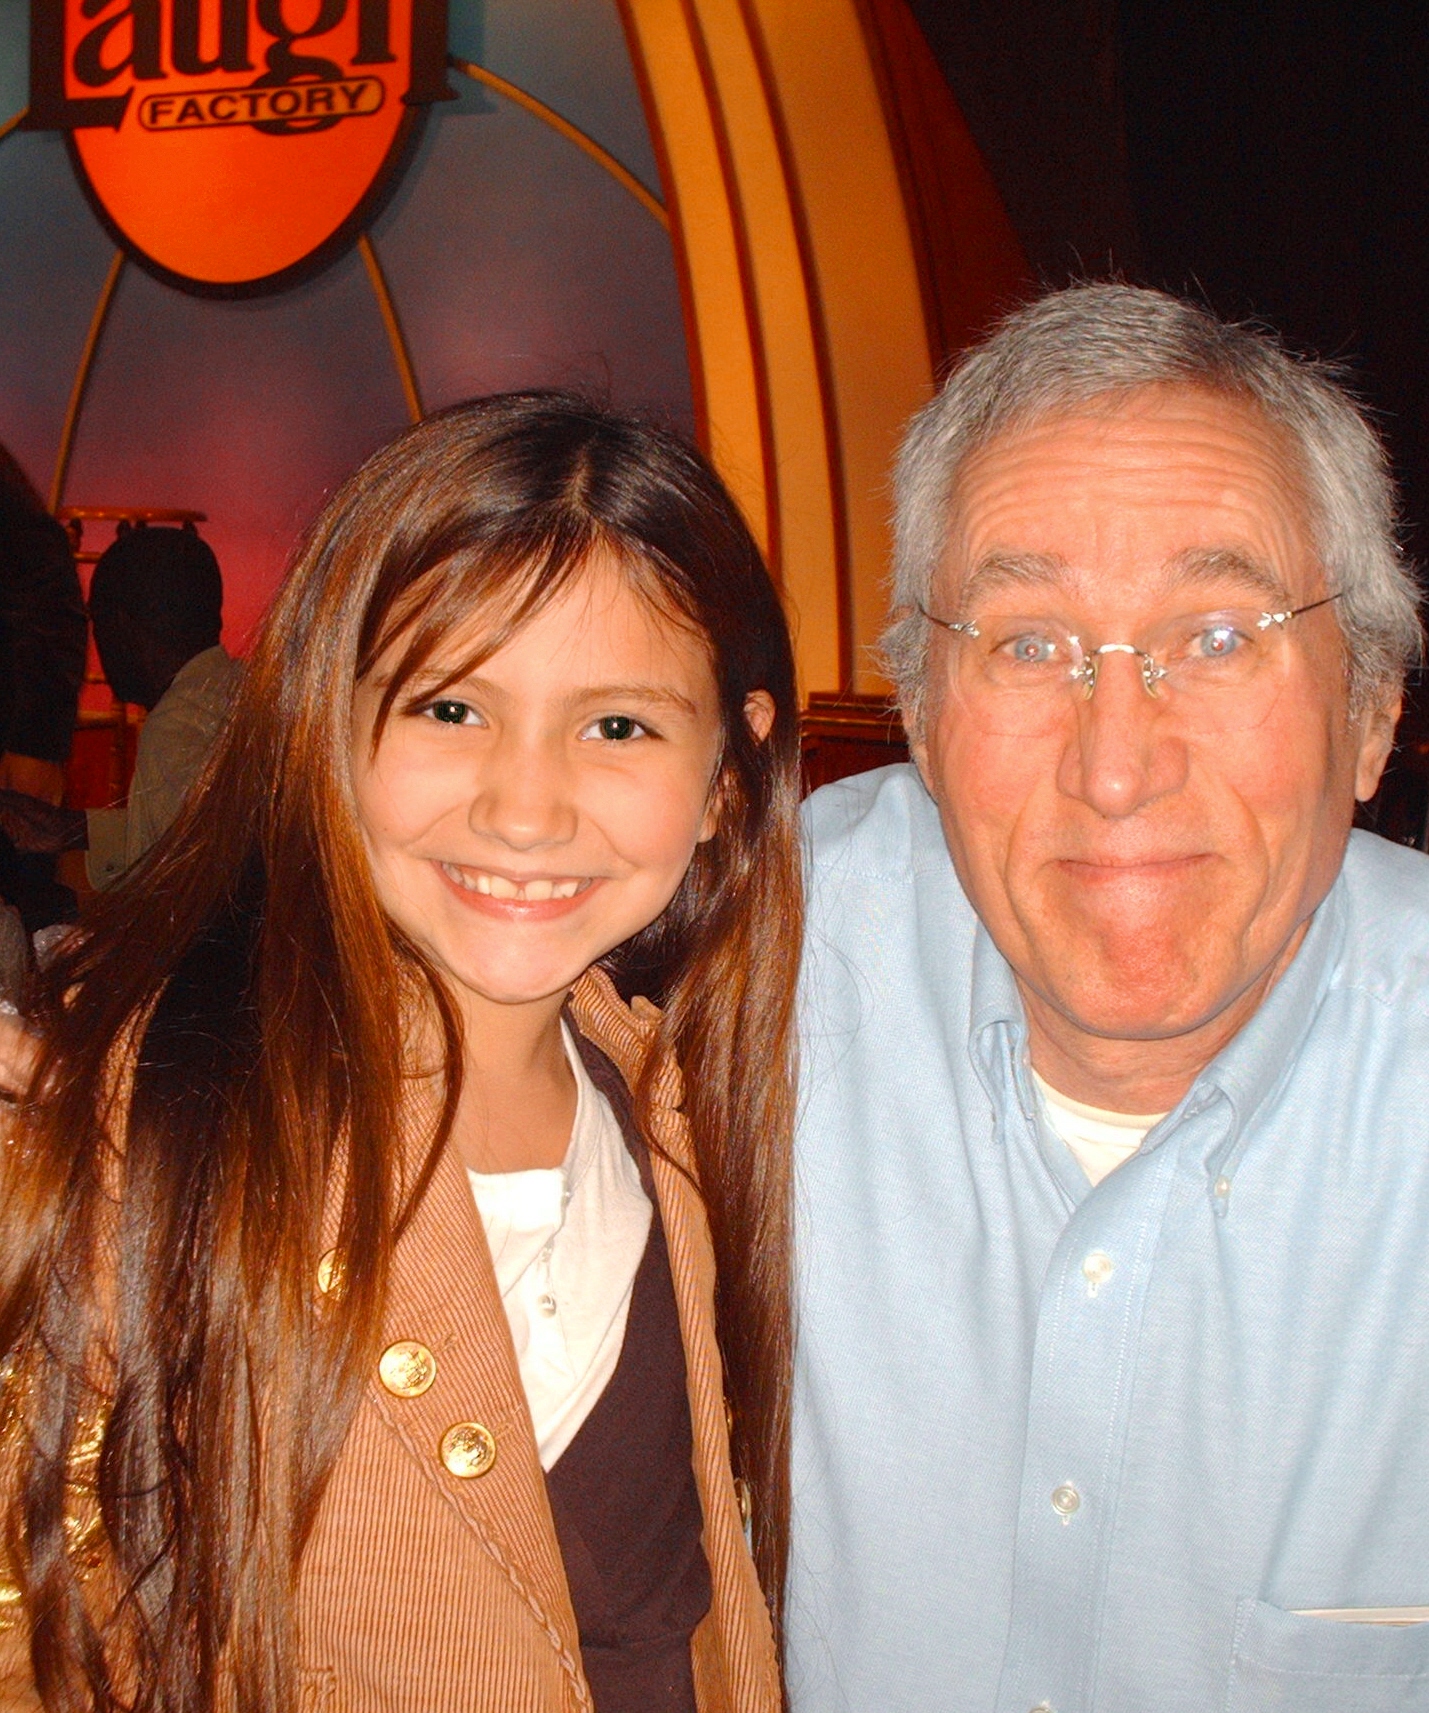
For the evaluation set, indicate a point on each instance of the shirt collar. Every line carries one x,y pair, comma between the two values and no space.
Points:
997,1012
1256,1063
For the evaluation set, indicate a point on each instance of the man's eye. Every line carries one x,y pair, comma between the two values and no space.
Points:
451,713
1218,642
614,728
1030,648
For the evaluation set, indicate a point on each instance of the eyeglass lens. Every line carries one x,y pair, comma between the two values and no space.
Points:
1210,672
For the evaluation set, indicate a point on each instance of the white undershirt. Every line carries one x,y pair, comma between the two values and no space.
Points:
1100,1141
566,1242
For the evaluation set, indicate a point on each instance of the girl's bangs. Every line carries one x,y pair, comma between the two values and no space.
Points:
509,584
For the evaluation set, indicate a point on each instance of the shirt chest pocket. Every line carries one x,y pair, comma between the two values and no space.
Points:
1285,1663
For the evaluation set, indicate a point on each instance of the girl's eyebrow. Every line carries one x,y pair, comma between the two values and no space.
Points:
650,695
661,695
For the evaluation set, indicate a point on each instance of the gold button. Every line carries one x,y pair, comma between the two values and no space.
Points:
728,1416
406,1369
329,1273
742,1498
468,1449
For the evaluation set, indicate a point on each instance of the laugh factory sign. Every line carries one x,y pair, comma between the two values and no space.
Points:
233,146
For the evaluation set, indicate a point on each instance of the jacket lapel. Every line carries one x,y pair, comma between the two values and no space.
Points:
734,1650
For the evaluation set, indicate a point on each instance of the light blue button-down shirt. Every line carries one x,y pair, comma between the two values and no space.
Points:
1088,1449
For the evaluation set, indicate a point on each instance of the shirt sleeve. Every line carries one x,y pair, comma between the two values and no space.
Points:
174,744
104,858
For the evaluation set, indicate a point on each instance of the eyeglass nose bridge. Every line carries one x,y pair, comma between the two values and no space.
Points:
1085,672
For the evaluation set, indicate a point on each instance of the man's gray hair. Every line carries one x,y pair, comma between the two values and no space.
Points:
1088,342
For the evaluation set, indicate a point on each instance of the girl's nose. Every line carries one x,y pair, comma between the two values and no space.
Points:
523,798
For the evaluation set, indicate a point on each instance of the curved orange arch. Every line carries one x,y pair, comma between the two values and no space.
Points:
803,263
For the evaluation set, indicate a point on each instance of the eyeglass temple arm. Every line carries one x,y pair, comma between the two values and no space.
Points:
1295,612
962,626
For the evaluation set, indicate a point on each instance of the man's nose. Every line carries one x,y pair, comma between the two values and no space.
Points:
1123,753
524,795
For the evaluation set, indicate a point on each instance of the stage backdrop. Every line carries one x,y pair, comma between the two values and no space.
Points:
761,219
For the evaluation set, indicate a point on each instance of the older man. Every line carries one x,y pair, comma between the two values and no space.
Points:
1114,1176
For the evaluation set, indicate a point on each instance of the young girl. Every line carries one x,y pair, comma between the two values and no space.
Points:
382,1295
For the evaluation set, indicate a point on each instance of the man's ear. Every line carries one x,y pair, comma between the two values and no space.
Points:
1376,741
917,733
759,715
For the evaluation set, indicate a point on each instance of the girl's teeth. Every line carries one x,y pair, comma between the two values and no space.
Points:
497,886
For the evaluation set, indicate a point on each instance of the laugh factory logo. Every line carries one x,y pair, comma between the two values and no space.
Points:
234,145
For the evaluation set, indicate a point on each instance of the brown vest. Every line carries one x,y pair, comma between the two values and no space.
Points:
623,1494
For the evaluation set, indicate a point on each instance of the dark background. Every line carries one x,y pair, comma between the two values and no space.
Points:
1266,158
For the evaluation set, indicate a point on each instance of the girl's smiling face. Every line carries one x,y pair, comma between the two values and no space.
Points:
529,817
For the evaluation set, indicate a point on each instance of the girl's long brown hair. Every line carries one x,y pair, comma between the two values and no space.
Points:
223,1061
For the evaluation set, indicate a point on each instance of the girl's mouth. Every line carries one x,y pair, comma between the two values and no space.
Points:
540,890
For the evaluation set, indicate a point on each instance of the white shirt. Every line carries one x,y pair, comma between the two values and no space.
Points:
1099,1140
566,1242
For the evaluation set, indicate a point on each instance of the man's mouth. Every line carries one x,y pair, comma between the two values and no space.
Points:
535,891
1147,866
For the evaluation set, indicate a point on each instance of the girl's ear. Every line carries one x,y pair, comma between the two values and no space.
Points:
759,713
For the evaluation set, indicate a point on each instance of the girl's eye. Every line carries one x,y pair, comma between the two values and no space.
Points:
451,713
614,728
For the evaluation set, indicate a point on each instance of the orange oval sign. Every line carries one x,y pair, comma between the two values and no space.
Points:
234,145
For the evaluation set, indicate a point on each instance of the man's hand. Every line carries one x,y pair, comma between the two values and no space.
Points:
18,1049
39,828
36,778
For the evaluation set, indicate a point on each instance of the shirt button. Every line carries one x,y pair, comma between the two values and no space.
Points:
329,1273
468,1449
1044,1707
1097,1269
406,1369
546,1303
1066,1500
1222,1187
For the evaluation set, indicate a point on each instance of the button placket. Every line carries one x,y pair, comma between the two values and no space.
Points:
1092,1301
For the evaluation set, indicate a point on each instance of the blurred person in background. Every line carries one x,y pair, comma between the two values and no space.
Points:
156,604
42,638
42,646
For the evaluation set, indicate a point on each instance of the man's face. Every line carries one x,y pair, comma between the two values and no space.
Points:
1146,878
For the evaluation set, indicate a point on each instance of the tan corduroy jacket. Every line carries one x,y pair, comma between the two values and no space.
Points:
433,1580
